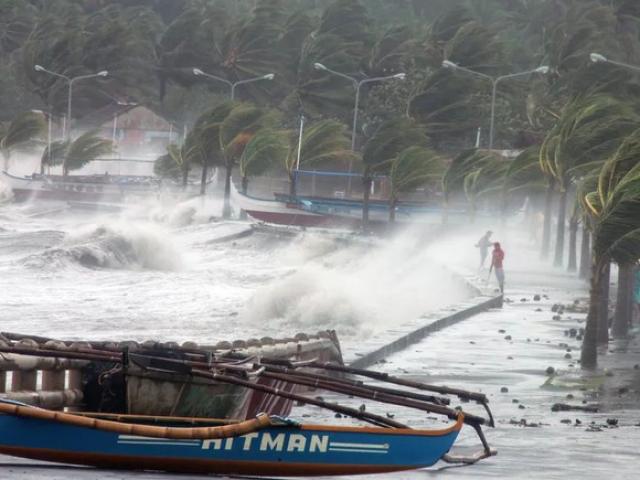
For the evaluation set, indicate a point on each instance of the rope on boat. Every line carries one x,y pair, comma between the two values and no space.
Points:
223,431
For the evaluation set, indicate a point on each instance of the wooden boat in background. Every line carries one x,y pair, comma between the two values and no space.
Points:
80,188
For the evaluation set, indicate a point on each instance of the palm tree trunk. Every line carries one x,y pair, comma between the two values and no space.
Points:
445,211
366,179
226,205
585,251
603,315
203,178
589,353
245,190
392,209
573,241
546,231
562,215
624,302
185,176
293,190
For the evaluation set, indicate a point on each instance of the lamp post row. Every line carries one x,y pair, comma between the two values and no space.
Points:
594,57
70,81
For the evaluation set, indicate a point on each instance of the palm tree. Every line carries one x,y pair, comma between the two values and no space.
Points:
84,149
324,142
265,150
24,128
392,137
485,181
589,129
53,154
615,213
202,144
414,167
523,177
457,177
235,131
177,162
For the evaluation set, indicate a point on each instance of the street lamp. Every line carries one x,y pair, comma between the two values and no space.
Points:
70,81
494,81
358,85
199,73
598,58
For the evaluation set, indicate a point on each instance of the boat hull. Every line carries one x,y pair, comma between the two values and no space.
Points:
283,450
282,213
73,189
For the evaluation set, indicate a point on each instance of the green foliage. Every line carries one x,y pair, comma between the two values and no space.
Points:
238,128
54,154
391,138
524,175
323,142
589,129
268,148
414,167
84,149
461,168
22,129
485,180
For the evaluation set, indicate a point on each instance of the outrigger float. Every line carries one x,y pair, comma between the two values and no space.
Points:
264,445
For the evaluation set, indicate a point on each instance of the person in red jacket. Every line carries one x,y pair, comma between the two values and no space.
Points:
497,258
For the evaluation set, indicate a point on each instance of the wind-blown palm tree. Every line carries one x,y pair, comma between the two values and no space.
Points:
264,151
614,209
485,182
414,167
392,137
523,178
589,129
323,142
84,149
458,176
235,131
202,144
22,129
53,154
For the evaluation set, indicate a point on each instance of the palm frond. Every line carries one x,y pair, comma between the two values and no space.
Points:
265,150
22,129
86,148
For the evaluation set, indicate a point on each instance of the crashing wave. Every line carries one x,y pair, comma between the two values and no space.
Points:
113,247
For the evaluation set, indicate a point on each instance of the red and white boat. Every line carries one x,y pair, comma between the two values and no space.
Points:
86,188
283,213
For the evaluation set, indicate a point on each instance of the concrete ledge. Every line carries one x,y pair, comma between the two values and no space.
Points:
368,359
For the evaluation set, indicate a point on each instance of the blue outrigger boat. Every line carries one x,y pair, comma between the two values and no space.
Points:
264,445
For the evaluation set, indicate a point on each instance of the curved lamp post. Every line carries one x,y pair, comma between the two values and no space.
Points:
598,58
358,85
494,81
199,73
70,81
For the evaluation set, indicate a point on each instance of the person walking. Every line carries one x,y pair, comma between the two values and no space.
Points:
483,244
497,257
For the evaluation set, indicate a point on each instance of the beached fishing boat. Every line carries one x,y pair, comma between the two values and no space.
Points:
80,188
264,445
280,212
94,376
